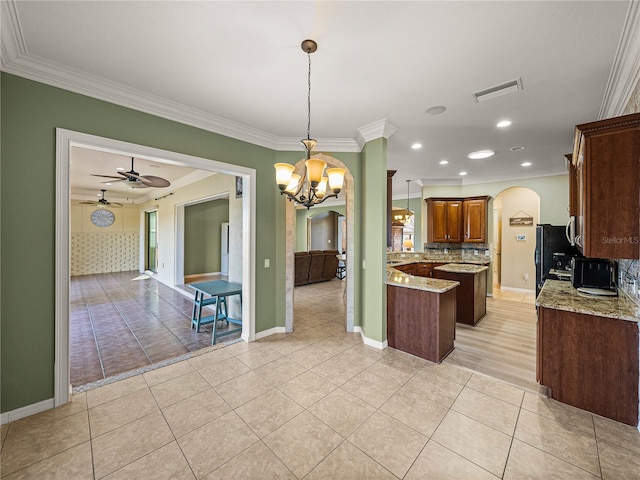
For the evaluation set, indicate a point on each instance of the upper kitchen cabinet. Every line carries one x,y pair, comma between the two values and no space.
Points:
445,220
606,166
474,211
573,185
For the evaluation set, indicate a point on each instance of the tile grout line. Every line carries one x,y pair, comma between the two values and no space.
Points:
93,330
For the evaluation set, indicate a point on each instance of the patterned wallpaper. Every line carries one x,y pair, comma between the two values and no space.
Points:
104,252
629,270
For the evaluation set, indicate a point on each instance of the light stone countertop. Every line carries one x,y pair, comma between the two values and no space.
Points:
461,268
400,279
560,295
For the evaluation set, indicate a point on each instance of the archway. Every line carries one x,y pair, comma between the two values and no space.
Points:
348,192
516,211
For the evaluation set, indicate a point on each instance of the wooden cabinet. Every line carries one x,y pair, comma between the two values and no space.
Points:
426,269
590,362
409,269
456,220
471,295
421,323
607,174
474,211
573,186
445,220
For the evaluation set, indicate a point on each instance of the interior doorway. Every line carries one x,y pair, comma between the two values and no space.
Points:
151,241
66,140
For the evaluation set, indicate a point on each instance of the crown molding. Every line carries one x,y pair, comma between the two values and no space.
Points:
15,59
625,71
381,128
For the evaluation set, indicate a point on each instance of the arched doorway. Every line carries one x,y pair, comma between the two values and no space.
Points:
514,239
348,192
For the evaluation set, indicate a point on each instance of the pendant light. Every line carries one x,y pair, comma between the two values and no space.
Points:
311,188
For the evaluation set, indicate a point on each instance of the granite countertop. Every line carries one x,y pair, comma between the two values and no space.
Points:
461,268
400,279
560,295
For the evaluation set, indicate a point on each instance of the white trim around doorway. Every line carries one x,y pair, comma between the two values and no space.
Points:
65,139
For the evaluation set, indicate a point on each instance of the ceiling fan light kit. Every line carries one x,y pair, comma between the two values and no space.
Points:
102,202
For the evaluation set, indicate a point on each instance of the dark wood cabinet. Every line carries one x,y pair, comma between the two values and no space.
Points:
606,166
457,220
474,212
409,268
573,186
426,269
590,362
471,295
445,220
421,323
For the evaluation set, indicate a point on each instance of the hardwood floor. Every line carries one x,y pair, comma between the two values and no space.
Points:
503,343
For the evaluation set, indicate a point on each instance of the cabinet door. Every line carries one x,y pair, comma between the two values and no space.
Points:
437,214
573,185
454,221
475,220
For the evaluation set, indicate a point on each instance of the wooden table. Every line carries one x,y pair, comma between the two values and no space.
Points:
217,291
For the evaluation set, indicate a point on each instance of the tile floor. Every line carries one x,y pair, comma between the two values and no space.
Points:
315,404
122,321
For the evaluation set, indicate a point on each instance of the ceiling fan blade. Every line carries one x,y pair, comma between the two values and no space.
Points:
114,181
114,204
88,203
104,176
157,182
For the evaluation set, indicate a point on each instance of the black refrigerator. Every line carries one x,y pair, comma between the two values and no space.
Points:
549,240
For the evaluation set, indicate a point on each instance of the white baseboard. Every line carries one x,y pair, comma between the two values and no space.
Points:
26,411
369,341
271,331
517,290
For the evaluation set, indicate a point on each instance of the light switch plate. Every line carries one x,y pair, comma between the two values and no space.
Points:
267,263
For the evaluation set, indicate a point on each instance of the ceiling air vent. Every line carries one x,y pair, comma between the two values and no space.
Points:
498,90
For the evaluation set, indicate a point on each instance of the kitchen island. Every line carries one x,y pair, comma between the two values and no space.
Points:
587,350
421,315
471,296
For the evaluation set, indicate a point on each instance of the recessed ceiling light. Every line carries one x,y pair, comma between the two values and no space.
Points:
416,146
526,164
98,194
444,162
107,183
481,154
121,169
515,149
437,110
153,165
462,174
503,123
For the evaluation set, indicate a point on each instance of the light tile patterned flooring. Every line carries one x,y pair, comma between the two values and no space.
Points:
316,404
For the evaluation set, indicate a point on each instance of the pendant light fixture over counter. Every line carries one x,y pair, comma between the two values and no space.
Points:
403,215
311,188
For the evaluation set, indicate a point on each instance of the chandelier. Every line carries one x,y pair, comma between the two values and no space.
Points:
311,188
403,215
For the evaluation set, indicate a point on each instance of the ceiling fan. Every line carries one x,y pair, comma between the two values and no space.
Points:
135,180
103,202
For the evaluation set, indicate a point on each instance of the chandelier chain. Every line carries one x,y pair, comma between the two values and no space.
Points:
309,98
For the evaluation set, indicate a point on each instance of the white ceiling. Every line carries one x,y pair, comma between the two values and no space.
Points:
237,67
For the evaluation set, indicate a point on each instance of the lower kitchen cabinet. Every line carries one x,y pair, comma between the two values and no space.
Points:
421,323
471,297
590,362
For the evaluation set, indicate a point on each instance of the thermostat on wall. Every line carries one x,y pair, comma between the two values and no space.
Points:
521,238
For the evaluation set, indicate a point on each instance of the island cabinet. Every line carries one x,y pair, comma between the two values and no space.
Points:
422,323
606,173
471,294
587,352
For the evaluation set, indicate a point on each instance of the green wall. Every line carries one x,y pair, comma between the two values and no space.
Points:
202,235
30,113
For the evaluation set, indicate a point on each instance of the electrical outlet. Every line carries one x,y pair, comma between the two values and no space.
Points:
487,253
475,252
267,263
446,250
